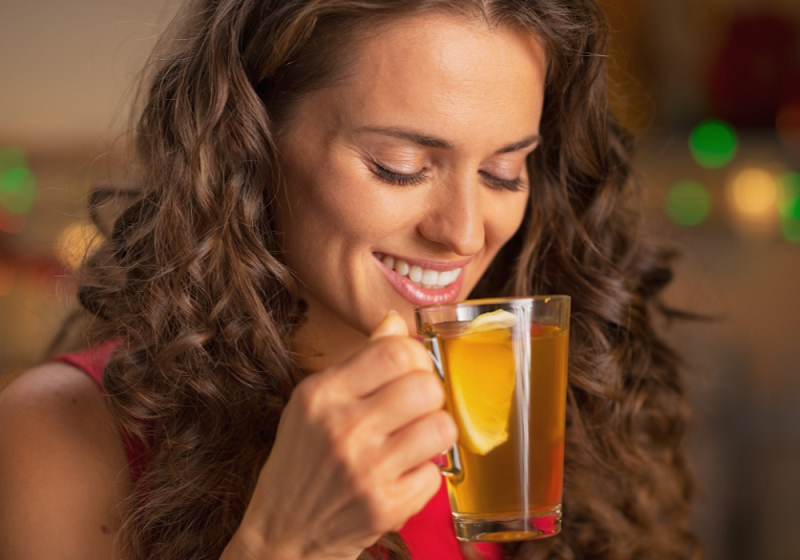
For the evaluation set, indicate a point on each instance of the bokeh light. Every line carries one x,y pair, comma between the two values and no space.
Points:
688,203
17,189
713,144
11,223
753,194
789,194
787,124
76,242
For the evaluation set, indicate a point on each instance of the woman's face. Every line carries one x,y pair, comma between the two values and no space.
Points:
404,180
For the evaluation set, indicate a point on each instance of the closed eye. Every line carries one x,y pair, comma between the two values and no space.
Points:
513,185
403,179
400,179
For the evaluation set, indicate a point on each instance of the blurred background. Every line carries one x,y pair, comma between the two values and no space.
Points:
712,89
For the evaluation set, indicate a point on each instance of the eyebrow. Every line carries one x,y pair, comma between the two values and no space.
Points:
431,142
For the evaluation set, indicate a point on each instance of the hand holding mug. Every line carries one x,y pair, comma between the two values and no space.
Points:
351,459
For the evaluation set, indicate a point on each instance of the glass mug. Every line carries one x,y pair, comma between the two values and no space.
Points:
504,367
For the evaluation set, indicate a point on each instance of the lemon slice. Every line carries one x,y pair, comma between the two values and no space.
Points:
482,379
500,319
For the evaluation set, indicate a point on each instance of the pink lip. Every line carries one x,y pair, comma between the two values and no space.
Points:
421,296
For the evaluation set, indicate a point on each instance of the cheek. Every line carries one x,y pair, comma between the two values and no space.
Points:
506,220
339,206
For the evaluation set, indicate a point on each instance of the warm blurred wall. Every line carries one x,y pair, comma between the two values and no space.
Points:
67,71
67,64
663,50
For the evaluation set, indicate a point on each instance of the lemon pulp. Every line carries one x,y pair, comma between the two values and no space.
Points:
482,374
499,319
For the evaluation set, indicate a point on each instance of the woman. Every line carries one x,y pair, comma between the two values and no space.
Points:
306,167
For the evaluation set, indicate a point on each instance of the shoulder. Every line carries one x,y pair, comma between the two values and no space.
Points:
63,468
56,403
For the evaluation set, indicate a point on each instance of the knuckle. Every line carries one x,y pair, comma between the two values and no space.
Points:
339,446
417,354
431,390
421,356
344,441
432,478
380,515
443,431
309,395
321,409
353,449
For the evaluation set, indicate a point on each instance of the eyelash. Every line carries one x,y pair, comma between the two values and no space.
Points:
513,185
402,180
399,179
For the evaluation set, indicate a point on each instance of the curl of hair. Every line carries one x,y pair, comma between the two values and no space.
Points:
191,278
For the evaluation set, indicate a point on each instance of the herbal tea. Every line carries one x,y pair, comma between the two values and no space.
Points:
510,413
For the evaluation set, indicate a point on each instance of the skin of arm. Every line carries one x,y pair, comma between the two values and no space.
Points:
64,473
63,468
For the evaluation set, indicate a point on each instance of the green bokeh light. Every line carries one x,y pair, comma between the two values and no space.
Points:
791,230
17,190
688,203
17,183
14,179
789,184
713,143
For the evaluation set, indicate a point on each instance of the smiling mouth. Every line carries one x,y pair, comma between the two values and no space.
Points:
426,278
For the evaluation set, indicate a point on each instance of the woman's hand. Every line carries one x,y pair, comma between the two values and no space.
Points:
351,457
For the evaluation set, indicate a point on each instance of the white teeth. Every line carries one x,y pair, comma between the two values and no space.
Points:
402,268
448,276
430,277
425,277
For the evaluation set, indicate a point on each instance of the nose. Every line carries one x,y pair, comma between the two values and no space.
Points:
455,216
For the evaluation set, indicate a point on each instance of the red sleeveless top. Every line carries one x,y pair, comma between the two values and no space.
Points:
429,534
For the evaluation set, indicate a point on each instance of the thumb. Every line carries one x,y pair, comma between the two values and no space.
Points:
392,325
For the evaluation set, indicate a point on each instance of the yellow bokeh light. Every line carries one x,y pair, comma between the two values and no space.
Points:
753,193
76,242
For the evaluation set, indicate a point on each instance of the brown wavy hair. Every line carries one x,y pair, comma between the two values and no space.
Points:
191,279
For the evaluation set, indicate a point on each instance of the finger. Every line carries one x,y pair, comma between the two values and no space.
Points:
404,400
419,442
416,487
382,361
391,325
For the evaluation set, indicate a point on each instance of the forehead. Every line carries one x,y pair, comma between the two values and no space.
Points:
439,71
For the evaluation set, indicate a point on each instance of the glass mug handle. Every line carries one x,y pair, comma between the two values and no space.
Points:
453,466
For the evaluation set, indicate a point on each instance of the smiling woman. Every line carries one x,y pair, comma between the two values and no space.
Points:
404,158
305,167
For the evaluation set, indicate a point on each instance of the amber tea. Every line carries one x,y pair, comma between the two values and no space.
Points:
505,374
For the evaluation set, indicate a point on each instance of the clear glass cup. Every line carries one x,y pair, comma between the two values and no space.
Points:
504,367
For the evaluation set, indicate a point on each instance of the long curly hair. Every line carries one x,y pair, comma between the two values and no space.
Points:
191,278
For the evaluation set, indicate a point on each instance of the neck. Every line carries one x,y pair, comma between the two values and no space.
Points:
323,340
